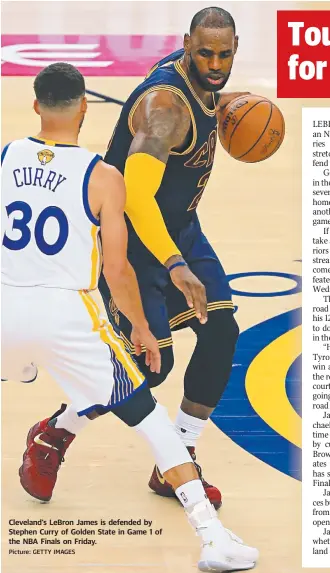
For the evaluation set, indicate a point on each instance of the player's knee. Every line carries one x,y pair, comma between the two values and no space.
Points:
136,408
216,341
220,331
167,364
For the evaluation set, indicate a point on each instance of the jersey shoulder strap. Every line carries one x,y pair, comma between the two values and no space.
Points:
170,58
4,151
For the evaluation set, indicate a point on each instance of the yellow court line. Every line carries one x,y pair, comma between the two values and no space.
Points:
265,385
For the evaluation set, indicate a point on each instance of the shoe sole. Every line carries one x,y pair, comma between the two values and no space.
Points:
20,471
223,567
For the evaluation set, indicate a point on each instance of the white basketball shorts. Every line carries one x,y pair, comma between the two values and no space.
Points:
68,334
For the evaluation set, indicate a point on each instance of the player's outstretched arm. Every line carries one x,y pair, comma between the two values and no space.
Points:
107,198
161,123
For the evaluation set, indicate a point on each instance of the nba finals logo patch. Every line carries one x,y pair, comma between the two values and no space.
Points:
45,156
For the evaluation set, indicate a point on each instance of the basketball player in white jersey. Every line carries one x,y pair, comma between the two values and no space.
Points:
57,199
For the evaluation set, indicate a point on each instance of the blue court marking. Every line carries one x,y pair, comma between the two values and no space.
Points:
293,385
293,290
234,414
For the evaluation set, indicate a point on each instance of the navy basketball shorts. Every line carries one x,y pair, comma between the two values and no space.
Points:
164,305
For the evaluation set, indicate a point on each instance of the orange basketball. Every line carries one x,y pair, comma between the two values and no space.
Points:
251,128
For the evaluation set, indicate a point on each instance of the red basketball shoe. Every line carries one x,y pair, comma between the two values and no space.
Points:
46,446
160,486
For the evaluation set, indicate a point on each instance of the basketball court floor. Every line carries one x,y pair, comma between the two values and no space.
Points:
251,214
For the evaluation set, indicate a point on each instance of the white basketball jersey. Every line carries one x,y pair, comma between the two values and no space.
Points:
50,236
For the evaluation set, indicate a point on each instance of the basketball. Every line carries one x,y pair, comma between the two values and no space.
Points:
251,128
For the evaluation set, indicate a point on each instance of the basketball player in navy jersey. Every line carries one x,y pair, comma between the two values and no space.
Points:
164,145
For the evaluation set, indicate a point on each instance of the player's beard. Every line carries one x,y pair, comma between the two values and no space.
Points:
202,80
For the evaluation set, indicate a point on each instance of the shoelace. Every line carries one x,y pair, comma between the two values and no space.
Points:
45,462
46,465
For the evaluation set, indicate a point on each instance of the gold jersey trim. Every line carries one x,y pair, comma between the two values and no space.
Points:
112,136
179,93
162,343
180,70
188,314
52,142
158,67
153,69
96,257
109,337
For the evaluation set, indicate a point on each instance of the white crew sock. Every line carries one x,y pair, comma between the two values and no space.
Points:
189,428
70,421
191,493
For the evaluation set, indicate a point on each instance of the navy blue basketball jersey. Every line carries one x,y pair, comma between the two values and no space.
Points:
188,170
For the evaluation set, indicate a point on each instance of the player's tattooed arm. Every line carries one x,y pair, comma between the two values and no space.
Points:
161,123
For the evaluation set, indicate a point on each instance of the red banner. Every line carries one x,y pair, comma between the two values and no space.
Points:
303,54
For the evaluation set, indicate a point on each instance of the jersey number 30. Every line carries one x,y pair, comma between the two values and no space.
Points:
22,225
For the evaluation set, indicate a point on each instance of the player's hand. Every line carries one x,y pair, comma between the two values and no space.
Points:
193,290
142,336
226,98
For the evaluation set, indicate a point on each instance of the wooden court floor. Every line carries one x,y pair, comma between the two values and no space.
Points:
251,214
